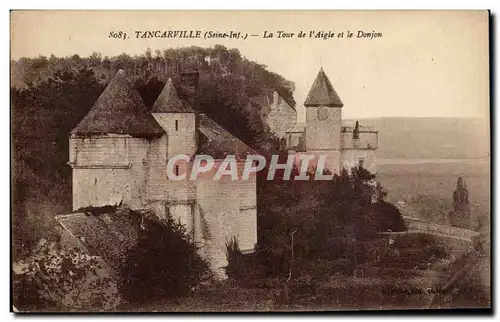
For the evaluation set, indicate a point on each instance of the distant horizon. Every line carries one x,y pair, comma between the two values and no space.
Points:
298,104
422,66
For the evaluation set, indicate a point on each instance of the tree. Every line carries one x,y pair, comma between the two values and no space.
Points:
461,197
380,216
58,92
41,176
63,279
95,59
460,215
327,216
164,263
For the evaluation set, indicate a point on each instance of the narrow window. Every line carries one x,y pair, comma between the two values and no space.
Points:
177,125
176,170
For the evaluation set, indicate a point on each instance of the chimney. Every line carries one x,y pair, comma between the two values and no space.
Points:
190,88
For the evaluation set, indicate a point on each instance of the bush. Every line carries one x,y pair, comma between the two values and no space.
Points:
164,263
321,270
245,269
344,266
410,257
437,251
235,268
26,293
62,280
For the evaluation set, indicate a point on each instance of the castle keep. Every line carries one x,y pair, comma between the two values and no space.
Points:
119,154
324,132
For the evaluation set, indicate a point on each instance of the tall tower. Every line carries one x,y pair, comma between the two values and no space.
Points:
110,148
324,121
178,118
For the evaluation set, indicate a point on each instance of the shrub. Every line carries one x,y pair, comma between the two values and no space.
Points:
246,269
344,266
235,268
164,263
319,210
437,251
62,279
335,248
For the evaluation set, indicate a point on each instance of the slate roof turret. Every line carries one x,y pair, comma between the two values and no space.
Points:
322,93
119,110
169,101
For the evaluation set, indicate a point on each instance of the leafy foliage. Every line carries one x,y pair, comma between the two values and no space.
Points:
327,215
424,251
50,95
63,279
460,215
164,263
235,265
42,117
227,80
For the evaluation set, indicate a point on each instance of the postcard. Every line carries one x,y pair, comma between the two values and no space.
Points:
229,161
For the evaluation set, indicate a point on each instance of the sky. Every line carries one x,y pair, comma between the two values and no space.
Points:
426,64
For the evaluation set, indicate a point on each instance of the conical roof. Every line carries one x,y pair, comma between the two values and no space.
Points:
119,110
169,101
322,93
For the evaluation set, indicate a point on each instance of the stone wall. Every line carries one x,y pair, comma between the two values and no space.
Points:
367,140
281,116
227,208
110,169
356,157
323,128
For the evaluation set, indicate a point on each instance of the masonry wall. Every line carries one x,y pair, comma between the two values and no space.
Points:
176,198
293,139
157,163
160,187
227,208
323,134
353,157
281,117
332,159
212,211
367,139
139,151
100,187
109,169
182,139
181,132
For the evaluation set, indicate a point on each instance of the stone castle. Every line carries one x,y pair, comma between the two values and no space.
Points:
120,150
324,132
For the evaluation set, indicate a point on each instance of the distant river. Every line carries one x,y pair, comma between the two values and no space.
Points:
423,161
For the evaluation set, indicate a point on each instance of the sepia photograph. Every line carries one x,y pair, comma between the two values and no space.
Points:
250,161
